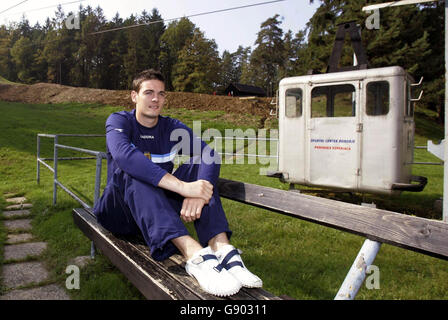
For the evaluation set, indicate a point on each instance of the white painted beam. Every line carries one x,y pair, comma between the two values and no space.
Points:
394,4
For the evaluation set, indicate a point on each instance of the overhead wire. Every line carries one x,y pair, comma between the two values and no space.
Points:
167,20
48,7
16,5
188,16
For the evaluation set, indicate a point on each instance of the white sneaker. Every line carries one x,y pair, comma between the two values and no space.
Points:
212,278
230,259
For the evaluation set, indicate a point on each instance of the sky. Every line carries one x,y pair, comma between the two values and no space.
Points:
229,29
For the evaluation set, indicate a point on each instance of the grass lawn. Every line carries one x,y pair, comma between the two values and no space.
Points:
293,257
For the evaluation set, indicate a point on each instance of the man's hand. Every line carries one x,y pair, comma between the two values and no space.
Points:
191,209
201,189
197,189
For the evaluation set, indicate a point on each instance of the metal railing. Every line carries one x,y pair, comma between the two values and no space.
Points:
249,140
98,155
427,163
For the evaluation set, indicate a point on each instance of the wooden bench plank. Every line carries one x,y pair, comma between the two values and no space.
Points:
146,276
154,279
417,234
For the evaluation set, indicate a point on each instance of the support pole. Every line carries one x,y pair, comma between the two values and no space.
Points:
55,166
357,272
445,167
38,162
92,250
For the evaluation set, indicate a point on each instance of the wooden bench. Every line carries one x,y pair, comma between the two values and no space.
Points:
168,279
155,280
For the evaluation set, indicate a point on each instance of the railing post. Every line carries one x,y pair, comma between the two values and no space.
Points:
99,163
38,162
96,196
55,167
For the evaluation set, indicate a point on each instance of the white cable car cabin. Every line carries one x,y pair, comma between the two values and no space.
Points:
351,130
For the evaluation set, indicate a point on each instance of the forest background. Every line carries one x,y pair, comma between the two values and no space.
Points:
408,36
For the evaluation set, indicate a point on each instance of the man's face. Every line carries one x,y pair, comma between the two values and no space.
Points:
149,100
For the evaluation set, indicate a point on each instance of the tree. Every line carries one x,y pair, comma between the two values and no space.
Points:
198,61
89,52
231,66
22,57
227,69
268,56
143,43
152,34
7,68
52,56
116,49
172,42
294,48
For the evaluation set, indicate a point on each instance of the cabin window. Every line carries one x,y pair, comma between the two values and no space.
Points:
333,101
293,103
377,98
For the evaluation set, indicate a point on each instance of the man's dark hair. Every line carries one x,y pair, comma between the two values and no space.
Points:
149,74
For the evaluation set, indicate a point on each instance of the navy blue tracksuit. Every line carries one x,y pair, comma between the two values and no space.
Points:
137,159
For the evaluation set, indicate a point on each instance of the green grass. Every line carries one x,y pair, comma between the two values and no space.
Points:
293,257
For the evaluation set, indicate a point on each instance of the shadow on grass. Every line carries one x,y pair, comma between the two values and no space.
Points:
418,204
79,193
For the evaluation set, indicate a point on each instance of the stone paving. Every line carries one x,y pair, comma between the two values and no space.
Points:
23,276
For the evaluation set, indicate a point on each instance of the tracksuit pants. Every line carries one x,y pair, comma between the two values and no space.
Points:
131,207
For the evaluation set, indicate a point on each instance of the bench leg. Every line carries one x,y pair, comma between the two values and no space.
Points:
357,272
92,250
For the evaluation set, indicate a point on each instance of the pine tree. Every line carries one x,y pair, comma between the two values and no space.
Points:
152,34
198,61
117,49
268,56
172,42
231,67
7,68
22,57
227,68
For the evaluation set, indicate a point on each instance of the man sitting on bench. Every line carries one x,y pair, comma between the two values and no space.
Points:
142,196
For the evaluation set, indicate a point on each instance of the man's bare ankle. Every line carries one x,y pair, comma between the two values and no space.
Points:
218,241
187,246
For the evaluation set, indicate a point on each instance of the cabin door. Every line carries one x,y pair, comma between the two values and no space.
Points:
334,135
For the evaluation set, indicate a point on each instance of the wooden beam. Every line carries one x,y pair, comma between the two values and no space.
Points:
154,279
417,234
